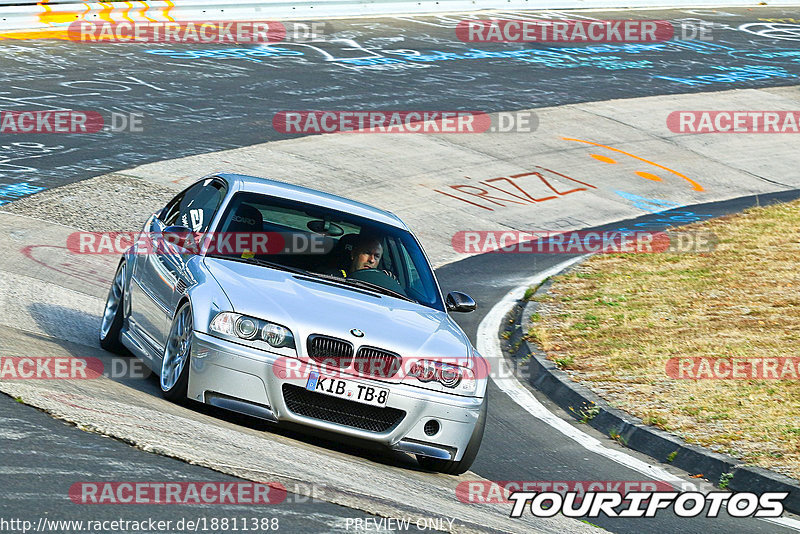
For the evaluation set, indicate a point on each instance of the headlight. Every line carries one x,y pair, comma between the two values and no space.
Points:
276,335
251,329
449,376
246,328
424,370
223,324
460,379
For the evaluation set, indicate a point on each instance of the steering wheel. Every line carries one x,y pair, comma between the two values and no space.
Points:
379,278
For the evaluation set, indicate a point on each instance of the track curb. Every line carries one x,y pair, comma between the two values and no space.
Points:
33,15
531,364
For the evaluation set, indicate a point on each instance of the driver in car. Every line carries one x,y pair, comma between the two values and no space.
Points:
366,254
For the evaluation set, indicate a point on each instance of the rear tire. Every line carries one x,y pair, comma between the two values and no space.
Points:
113,314
177,352
451,467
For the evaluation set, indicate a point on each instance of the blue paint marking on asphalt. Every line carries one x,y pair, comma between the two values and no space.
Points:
766,54
674,219
552,57
656,205
17,191
747,73
228,53
653,205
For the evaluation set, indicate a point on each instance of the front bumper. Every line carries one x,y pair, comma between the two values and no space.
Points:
257,382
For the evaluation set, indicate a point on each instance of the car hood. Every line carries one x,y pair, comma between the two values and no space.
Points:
312,306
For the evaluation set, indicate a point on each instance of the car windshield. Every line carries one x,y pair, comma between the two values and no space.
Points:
327,244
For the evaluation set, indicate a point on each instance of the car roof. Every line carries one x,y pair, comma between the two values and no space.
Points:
265,186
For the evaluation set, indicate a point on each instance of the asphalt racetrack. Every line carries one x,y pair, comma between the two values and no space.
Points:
202,99
195,101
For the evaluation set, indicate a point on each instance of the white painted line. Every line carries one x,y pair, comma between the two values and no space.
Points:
786,522
488,345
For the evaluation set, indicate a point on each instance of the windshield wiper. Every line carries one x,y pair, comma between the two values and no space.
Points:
362,284
263,263
376,287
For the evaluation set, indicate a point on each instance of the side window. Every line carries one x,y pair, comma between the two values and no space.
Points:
195,207
414,281
170,212
390,259
402,266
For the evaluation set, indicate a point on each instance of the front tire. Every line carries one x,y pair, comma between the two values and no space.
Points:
113,314
178,349
451,467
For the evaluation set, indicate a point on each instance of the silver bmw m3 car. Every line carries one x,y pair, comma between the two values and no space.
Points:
289,304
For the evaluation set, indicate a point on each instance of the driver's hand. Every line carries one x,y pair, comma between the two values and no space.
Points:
391,274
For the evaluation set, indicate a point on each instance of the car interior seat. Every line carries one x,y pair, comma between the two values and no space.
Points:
247,218
340,256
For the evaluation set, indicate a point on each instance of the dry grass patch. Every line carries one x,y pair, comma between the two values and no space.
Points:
615,322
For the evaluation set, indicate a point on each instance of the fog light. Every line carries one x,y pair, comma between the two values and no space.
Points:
432,427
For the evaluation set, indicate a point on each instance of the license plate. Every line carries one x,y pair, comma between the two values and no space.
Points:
348,389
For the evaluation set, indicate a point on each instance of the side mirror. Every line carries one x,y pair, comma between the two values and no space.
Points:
459,302
178,237
180,230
